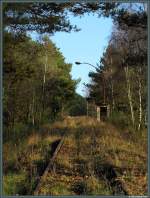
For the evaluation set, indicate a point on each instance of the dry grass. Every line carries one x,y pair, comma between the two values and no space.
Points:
88,144
33,139
110,145
51,138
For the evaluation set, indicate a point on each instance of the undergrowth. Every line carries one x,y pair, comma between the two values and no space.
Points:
89,148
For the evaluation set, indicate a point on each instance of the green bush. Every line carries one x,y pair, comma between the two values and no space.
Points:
80,187
18,132
59,189
120,119
14,184
77,107
96,187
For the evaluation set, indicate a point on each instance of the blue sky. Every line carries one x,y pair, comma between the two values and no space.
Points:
86,45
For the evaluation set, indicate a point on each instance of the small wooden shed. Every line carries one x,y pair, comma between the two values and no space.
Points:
103,111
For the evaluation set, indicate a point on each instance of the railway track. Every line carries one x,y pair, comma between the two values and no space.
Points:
110,175
106,172
88,153
50,165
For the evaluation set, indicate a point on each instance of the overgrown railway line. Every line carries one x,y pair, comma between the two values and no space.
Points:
106,172
50,164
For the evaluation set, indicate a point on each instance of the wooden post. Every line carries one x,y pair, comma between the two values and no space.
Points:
98,113
108,111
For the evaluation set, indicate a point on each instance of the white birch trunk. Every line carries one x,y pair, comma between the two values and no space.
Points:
140,99
129,94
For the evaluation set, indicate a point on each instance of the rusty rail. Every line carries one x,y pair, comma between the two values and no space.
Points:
50,165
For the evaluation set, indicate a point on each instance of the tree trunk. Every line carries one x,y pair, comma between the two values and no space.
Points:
104,94
62,110
44,81
139,90
87,109
112,93
112,85
127,74
45,68
140,99
33,103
